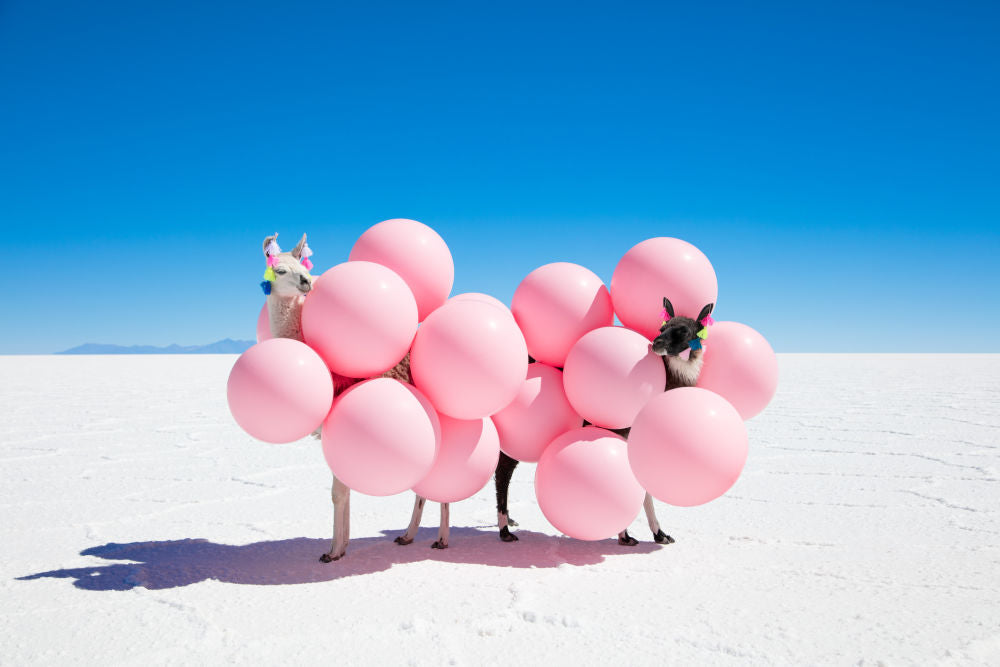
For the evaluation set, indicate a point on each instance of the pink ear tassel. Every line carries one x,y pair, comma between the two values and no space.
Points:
664,316
306,263
707,321
272,260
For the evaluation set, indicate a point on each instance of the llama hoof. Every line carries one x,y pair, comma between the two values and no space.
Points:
662,538
506,535
627,540
327,558
403,540
440,544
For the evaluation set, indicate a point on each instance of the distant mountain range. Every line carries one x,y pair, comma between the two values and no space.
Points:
227,346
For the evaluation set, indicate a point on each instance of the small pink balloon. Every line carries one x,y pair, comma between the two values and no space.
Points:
381,437
740,366
466,460
414,251
538,414
584,484
555,305
279,390
469,358
361,318
479,296
263,324
656,268
610,374
687,446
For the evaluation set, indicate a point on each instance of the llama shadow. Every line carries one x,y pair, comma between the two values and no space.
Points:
176,563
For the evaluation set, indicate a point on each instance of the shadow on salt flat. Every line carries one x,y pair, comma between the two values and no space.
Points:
160,565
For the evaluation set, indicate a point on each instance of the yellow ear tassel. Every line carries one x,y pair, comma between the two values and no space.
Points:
703,334
269,274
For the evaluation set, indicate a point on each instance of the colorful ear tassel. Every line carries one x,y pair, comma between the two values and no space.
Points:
305,255
703,334
266,287
269,274
695,344
707,321
664,316
272,260
273,248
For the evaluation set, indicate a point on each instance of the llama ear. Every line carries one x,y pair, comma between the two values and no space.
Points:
297,251
271,245
705,312
667,306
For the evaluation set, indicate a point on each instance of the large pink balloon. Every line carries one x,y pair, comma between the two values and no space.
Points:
469,358
361,318
555,305
740,366
279,390
538,414
584,485
657,268
263,324
414,251
610,374
687,446
466,460
381,437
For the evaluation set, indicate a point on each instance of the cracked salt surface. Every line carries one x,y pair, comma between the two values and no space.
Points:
864,530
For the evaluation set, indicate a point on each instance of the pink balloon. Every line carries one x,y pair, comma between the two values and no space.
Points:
466,460
279,390
414,251
469,358
740,366
687,446
584,485
381,437
610,374
538,414
656,268
555,305
479,296
263,324
361,318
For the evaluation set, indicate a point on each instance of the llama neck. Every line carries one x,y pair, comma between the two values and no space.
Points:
285,315
683,372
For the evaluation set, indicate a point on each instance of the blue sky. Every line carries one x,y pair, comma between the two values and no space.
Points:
837,162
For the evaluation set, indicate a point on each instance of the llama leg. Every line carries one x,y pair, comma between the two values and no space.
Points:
411,530
654,526
442,540
505,468
341,507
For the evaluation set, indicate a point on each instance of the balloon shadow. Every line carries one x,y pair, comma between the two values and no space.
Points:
176,563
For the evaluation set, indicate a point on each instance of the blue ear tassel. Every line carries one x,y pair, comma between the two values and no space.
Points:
695,344
266,286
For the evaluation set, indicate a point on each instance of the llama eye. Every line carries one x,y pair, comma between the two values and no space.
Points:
280,272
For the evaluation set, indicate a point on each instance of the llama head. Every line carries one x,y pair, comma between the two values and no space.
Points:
678,333
291,277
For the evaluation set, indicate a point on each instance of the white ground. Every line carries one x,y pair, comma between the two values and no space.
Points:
139,524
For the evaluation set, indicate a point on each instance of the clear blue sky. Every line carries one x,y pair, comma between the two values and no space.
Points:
837,162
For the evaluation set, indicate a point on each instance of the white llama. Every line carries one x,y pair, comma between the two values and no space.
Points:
287,289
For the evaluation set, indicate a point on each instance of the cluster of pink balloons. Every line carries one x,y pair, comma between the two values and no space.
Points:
686,447
474,392
468,360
